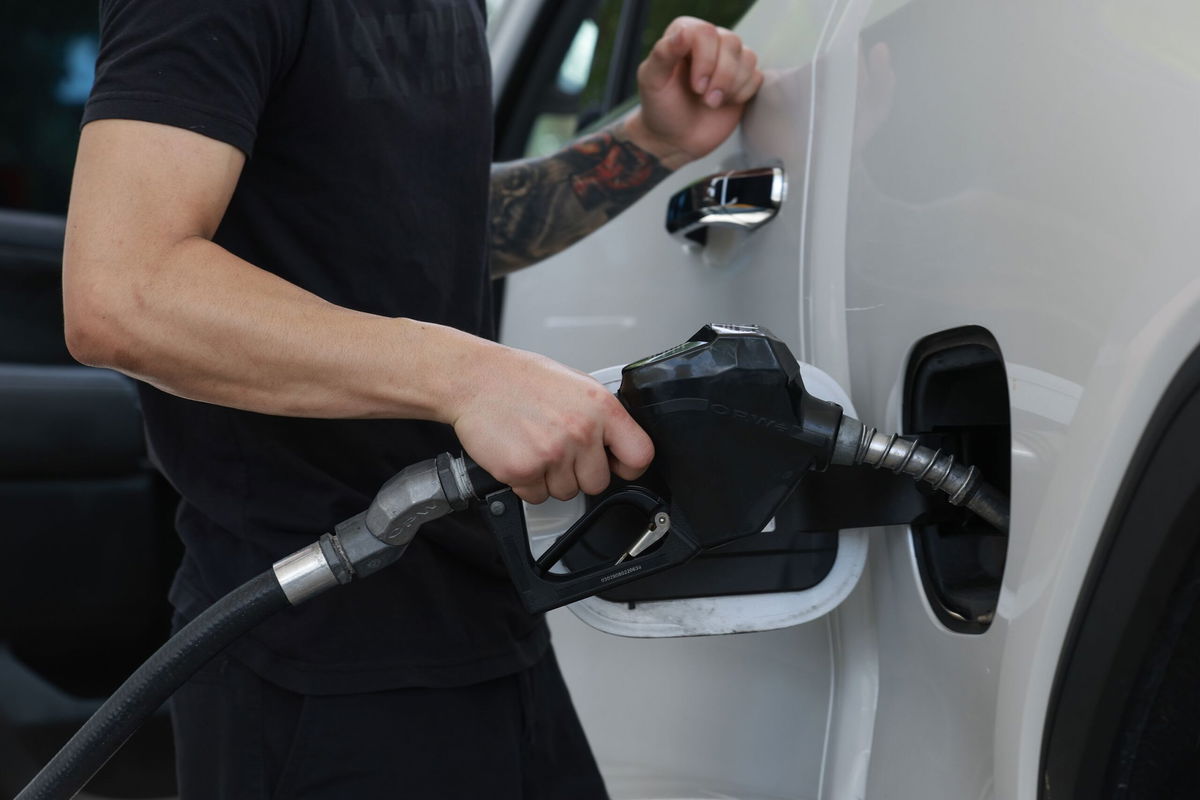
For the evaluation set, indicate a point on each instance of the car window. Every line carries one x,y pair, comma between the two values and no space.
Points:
576,95
597,73
47,57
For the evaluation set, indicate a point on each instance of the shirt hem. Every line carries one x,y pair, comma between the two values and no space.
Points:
150,107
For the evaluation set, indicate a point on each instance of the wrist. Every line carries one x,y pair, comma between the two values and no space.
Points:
444,373
670,156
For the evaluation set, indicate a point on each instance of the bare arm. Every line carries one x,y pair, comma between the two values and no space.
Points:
540,206
694,86
147,292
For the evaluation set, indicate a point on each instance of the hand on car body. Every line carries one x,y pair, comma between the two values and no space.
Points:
694,87
549,431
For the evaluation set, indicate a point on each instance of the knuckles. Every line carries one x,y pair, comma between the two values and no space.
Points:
550,451
731,41
580,430
610,406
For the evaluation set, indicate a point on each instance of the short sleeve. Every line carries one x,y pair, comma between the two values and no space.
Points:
205,65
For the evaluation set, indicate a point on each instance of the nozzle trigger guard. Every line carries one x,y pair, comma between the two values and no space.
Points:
539,588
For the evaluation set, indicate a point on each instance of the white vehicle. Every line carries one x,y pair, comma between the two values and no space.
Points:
983,232
989,234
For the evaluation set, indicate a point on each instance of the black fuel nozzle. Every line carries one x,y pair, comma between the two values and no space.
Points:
734,432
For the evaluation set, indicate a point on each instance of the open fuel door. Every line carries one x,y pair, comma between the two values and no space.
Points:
721,240
739,493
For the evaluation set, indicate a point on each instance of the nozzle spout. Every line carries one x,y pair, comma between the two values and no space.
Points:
860,444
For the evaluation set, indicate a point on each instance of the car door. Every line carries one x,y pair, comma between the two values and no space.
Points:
685,717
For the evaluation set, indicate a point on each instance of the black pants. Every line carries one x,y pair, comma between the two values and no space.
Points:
513,738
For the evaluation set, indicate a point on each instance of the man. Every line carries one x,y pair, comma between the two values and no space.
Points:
280,224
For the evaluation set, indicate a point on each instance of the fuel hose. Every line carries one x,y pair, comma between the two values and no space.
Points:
369,541
153,683
360,546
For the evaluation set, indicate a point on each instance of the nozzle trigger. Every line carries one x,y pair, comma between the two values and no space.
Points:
655,531
541,589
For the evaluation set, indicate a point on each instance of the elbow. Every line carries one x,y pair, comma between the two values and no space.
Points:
91,311
88,331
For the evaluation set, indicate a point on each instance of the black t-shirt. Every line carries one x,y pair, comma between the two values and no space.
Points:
367,125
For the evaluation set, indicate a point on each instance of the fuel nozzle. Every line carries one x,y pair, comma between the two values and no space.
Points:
734,430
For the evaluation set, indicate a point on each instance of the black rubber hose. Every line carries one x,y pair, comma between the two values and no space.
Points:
153,682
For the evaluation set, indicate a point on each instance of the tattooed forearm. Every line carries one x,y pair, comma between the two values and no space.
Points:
542,205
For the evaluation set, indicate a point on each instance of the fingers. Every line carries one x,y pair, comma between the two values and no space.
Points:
623,449
521,468
725,70
543,429
591,470
659,67
722,69
704,44
561,482
534,492
749,79
630,446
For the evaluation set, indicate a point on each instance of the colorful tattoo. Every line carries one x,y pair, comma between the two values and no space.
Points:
532,216
622,167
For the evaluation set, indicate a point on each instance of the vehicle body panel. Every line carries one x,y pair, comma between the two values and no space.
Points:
1026,167
1029,167
1034,178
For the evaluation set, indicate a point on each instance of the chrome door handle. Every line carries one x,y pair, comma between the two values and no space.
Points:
745,199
